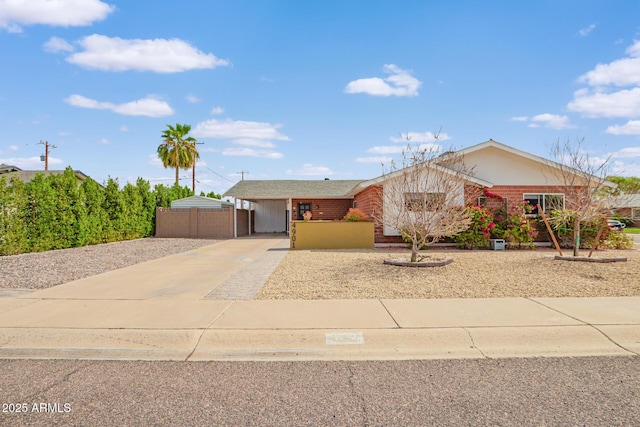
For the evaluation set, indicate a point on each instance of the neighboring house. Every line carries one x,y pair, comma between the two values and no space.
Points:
627,205
512,174
200,202
9,171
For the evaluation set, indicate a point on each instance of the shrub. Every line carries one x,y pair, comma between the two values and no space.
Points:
616,240
479,232
355,215
562,222
53,211
517,229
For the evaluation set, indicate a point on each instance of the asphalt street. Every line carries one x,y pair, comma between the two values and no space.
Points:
593,391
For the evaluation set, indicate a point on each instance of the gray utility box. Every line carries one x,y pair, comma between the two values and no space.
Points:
497,244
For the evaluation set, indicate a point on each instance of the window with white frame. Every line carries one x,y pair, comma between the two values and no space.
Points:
424,202
635,213
548,202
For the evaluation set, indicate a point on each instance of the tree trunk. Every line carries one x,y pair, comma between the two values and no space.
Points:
414,252
177,177
576,237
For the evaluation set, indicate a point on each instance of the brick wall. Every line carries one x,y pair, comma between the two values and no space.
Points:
369,201
514,192
328,209
199,223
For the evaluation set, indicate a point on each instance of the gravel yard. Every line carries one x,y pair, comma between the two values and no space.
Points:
346,274
39,270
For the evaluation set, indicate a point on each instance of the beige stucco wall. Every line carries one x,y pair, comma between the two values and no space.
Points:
502,168
331,235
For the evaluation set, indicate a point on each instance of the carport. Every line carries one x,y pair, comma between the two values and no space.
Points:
276,202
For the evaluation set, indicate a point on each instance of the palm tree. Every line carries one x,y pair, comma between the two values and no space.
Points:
177,150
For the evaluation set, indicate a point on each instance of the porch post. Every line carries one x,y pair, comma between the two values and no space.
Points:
289,218
249,216
235,218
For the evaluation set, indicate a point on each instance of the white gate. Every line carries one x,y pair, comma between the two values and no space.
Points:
271,216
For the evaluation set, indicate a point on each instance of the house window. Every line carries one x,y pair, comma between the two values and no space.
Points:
548,202
635,213
428,202
302,209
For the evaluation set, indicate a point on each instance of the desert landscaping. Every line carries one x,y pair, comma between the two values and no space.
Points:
345,274
359,274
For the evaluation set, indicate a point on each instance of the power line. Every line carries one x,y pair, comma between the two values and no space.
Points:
219,174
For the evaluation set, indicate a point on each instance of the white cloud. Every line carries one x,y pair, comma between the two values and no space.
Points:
192,99
374,159
105,141
520,119
623,103
56,44
621,72
399,83
585,31
626,153
552,121
416,137
68,13
238,129
386,149
30,163
11,148
150,106
251,152
632,127
397,149
217,111
308,169
155,160
157,55
124,128
253,143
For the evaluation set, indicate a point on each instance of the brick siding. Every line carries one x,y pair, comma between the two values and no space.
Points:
327,209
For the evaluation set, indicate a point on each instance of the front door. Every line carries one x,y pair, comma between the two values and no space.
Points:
302,209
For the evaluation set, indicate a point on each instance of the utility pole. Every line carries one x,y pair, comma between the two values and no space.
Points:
242,173
193,177
45,158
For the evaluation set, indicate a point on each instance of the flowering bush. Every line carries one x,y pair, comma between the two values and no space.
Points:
307,215
562,221
518,232
355,215
479,232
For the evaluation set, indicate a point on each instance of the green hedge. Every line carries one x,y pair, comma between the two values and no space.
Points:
54,212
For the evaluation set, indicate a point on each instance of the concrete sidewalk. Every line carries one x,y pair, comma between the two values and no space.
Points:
162,310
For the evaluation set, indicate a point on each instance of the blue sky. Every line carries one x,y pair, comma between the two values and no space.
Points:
308,90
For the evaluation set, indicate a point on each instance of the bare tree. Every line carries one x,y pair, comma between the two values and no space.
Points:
582,180
423,199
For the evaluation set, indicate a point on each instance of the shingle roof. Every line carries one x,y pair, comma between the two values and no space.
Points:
627,201
285,189
27,176
8,168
